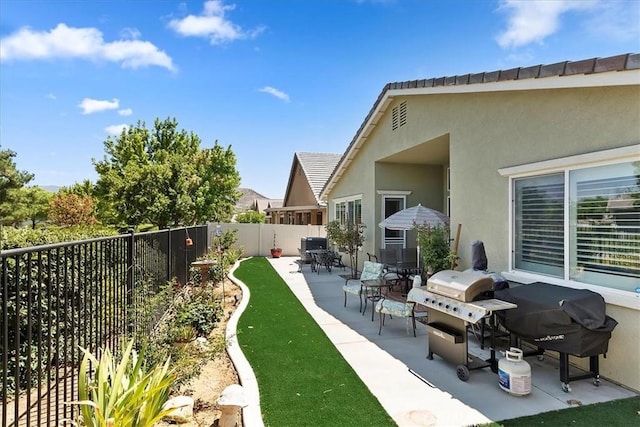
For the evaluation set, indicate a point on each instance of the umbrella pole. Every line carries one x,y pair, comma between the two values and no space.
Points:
454,261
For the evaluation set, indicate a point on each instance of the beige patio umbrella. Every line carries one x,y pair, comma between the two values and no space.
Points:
414,216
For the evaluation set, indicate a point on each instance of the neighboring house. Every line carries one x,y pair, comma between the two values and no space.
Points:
265,205
251,200
302,205
540,163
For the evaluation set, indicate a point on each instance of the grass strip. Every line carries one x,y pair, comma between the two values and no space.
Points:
622,413
303,379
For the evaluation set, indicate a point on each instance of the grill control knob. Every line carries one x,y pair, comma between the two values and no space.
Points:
455,308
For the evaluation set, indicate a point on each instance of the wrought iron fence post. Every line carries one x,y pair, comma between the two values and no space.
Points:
130,265
169,255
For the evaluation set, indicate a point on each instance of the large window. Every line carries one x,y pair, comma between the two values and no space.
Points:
605,225
580,224
539,224
349,210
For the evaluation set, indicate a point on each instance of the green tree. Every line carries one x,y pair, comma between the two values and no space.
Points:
160,176
217,193
251,217
84,188
10,178
26,204
348,237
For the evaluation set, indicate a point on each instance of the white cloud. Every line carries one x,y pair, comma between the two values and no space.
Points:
275,92
130,33
125,112
83,43
90,106
532,21
115,130
615,19
51,96
212,24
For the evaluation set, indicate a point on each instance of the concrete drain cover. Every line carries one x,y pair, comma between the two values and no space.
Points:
422,418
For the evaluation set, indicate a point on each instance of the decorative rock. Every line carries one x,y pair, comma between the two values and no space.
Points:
202,344
182,409
230,402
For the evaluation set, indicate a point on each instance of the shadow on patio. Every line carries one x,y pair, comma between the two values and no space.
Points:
416,391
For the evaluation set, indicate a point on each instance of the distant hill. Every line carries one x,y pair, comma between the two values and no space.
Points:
248,197
51,188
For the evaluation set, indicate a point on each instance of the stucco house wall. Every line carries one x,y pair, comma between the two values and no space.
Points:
486,131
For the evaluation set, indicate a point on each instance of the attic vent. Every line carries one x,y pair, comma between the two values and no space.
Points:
399,115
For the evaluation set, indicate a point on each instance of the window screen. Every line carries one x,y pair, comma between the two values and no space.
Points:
605,232
539,224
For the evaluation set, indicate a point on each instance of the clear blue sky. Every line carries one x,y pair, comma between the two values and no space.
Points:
268,78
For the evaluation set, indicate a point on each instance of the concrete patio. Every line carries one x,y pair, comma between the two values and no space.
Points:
420,392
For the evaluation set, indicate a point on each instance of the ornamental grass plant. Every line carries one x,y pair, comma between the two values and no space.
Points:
122,392
303,379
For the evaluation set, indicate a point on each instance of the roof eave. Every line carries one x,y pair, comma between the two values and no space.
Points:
612,78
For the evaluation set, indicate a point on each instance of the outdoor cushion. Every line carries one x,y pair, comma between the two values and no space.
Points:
398,309
370,271
417,281
394,308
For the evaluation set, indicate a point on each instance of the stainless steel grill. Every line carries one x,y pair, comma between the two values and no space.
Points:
454,300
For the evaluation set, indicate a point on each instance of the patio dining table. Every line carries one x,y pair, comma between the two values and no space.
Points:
404,269
402,261
324,258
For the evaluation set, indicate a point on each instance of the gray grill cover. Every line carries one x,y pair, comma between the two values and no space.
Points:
557,318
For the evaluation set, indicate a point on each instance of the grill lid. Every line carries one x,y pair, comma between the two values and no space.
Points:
459,285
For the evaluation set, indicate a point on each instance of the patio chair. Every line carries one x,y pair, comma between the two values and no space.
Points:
337,260
396,308
305,258
388,256
370,271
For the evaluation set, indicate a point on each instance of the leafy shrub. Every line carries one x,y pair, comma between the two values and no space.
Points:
194,312
251,217
435,248
13,238
201,311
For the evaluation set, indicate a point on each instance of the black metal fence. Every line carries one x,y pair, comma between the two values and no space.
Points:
90,294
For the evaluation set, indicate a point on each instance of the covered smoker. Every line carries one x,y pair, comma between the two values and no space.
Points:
569,321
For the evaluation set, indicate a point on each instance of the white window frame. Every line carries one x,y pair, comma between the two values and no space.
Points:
346,200
396,194
565,165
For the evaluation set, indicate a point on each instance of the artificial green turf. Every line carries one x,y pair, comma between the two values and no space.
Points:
622,413
303,379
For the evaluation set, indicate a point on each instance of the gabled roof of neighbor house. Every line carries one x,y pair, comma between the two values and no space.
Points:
317,168
592,72
263,204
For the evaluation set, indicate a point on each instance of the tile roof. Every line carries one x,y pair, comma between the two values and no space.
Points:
629,61
317,167
624,62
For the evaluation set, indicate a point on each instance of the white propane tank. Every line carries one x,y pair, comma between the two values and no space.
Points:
514,373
